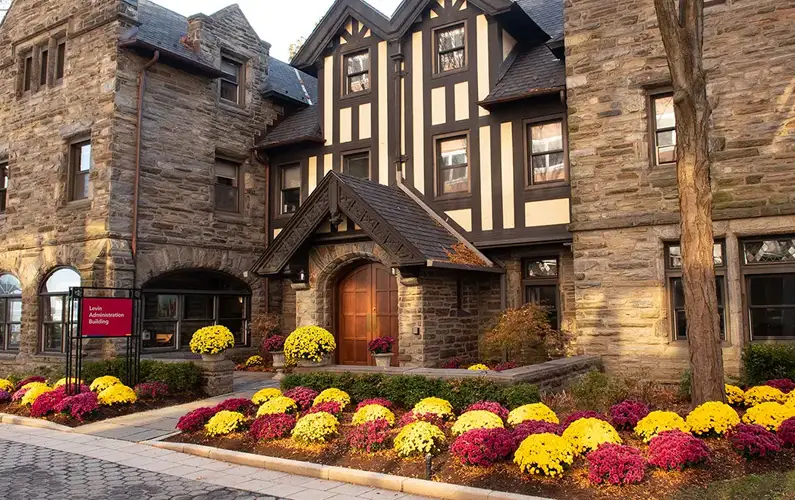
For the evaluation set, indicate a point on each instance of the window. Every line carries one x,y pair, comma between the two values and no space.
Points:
54,304
673,269
450,48
231,91
43,68
27,74
3,186
357,72
227,190
10,312
60,62
547,156
452,165
80,169
540,282
768,268
663,128
357,164
290,188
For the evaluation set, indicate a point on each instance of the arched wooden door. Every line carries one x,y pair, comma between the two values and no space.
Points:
368,308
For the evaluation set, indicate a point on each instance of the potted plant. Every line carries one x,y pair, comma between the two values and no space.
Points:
381,349
211,342
309,346
275,346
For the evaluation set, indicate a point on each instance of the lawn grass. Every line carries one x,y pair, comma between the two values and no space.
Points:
773,486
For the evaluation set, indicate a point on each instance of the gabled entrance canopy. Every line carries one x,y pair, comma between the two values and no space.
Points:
394,217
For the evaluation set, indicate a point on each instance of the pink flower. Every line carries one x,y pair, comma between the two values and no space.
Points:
677,450
381,345
507,365
370,436
495,408
375,401
616,464
196,419
26,381
754,441
786,432
627,414
151,390
274,343
431,418
47,402
241,405
80,405
483,447
785,385
273,426
327,406
578,415
529,427
303,396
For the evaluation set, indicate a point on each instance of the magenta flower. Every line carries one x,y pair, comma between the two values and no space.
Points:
495,408
375,401
676,450
754,441
578,415
272,426
196,419
483,447
370,436
627,414
303,396
616,464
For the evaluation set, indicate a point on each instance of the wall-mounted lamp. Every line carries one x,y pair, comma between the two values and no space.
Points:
302,276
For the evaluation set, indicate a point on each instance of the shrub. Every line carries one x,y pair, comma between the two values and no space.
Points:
213,339
767,362
616,464
151,390
675,449
255,360
25,381
315,428
303,396
734,395
7,386
534,411
514,396
479,367
754,441
79,406
431,418
786,432
763,394
117,394
331,407
102,383
195,419
370,436
375,401
581,414
373,412
768,415
483,447
309,343
33,392
264,395
598,391
659,421
530,427
685,385
476,419
784,385
240,405
493,407
47,402
507,365
586,434
419,438
712,418
274,343
408,390
523,334
5,396
335,395
437,406
464,392
279,404
544,454
627,414
224,422
273,426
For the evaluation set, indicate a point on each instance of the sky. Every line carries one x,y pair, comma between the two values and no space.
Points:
278,22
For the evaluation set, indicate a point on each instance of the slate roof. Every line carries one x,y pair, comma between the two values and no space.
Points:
528,71
547,14
302,125
287,82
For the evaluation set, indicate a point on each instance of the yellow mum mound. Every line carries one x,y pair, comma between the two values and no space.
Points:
769,415
368,413
116,394
418,439
310,343
255,360
315,428
35,389
224,422
75,381
545,454
659,421
476,419
712,417
212,339
101,383
763,394
6,385
790,402
478,367
279,404
533,411
265,394
333,394
734,395
437,406
586,434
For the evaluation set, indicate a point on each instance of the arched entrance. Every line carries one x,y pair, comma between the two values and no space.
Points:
368,308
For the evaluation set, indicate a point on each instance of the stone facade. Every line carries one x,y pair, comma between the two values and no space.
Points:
624,208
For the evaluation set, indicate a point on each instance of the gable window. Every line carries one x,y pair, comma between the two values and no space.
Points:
10,312
540,282
450,48
452,165
663,128
227,190
54,304
290,188
357,164
673,270
3,185
27,74
547,155
60,61
768,269
357,72
80,163
230,88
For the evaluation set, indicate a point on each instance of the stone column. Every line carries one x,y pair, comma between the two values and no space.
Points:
217,376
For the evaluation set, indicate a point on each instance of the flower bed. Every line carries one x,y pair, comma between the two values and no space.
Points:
532,450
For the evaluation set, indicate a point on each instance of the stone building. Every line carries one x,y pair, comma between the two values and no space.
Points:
178,211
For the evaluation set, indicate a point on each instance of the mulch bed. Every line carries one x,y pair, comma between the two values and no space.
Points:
105,412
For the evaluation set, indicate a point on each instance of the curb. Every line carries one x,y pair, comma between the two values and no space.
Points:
402,484
7,418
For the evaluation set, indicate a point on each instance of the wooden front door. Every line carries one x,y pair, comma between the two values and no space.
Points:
368,303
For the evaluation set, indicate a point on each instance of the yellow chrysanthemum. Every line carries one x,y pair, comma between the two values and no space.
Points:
212,339
419,438
263,395
255,360
224,422
437,406
545,454
368,413
586,434
769,415
533,411
310,343
101,383
279,404
6,385
476,419
659,421
790,401
117,394
35,389
734,395
333,394
315,428
713,417
478,367
763,394
75,381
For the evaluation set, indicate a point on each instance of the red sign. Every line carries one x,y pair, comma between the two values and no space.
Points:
106,317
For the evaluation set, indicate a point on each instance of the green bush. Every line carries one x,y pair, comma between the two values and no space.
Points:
180,377
598,391
763,362
685,385
514,396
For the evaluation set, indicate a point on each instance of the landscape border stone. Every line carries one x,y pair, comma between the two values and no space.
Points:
7,418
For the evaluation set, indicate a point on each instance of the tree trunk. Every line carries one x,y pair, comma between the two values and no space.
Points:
683,39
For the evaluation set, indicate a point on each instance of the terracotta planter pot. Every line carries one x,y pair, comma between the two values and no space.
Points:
383,360
309,363
278,359
213,357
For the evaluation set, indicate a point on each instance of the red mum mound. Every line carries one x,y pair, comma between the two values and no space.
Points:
754,441
303,396
677,450
273,426
196,419
495,408
627,414
483,447
616,464
370,436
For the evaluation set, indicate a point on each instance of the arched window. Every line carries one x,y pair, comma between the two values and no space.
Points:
10,312
53,300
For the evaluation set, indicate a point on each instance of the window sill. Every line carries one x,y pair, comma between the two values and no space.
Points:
682,343
231,218
8,355
233,108
49,357
77,204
